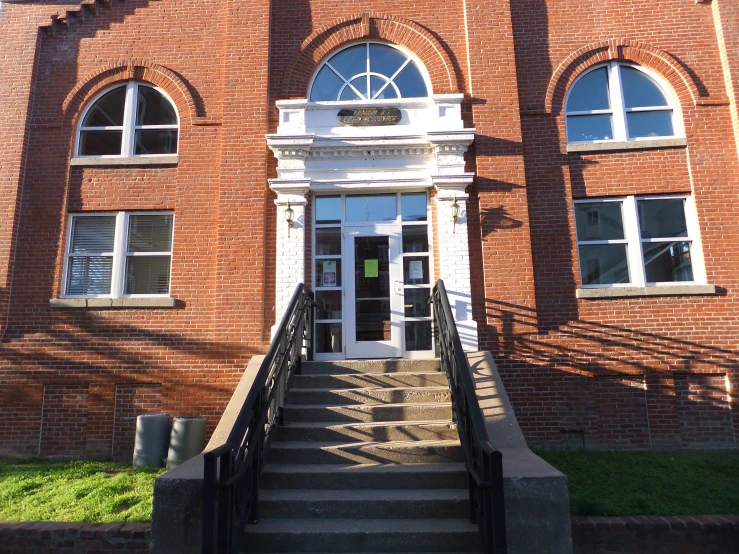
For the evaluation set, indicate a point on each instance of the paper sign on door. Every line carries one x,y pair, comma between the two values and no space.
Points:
371,268
415,270
329,273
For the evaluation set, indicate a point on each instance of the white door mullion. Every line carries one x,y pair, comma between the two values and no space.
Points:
129,120
633,236
615,91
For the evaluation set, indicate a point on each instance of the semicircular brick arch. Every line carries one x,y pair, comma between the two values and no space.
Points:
138,70
686,85
444,75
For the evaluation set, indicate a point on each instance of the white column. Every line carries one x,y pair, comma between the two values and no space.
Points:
450,183
290,243
454,258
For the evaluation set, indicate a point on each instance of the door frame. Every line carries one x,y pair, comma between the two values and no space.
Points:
342,224
392,348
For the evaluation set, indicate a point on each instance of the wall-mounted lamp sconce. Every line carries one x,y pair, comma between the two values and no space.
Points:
455,213
289,215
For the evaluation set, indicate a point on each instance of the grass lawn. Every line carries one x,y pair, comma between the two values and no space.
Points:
94,492
649,483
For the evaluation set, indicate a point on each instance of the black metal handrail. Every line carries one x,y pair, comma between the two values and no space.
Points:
232,470
484,462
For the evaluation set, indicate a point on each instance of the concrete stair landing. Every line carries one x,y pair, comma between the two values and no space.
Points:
368,461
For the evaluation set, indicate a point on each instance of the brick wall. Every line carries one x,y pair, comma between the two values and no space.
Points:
627,373
80,538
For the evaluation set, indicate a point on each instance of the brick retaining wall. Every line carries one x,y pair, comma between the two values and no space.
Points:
590,535
656,535
74,538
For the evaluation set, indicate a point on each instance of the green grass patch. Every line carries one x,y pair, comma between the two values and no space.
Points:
94,492
619,483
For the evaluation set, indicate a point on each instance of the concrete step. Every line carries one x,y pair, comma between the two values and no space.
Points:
365,380
367,412
364,476
399,452
365,432
343,367
354,504
361,535
399,395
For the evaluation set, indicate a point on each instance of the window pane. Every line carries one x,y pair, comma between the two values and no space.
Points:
108,110
89,275
100,143
147,274
351,61
662,218
93,234
589,127
376,83
385,60
328,209
417,335
649,124
413,207
326,86
329,304
410,83
590,92
599,221
604,264
348,93
150,233
328,273
667,261
415,238
328,337
640,91
328,241
416,270
416,304
153,108
159,141
381,207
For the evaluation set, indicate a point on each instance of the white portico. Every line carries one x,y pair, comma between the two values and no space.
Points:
360,198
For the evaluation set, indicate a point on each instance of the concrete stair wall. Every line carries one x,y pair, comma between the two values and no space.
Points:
368,461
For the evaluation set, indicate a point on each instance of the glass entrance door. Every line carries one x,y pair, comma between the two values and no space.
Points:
373,280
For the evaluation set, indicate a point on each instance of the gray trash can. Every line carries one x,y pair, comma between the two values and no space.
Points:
187,439
150,446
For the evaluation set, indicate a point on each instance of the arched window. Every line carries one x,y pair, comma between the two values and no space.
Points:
368,71
618,102
132,119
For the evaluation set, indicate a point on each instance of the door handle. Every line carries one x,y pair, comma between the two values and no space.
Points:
398,285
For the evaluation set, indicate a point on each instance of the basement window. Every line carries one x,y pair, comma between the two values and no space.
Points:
118,254
129,120
638,242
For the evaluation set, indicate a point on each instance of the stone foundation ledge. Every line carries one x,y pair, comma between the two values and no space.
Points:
42,537
712,534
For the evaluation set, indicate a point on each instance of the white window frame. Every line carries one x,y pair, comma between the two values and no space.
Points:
129,127
120,255
618,112
389,80
633,240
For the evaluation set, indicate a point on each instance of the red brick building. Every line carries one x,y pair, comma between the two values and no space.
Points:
571,173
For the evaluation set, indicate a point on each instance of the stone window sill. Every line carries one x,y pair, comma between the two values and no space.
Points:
626,145
621,292
96,303
142,160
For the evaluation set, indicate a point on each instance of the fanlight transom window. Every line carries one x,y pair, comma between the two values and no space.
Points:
133,119
618,102
368,71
